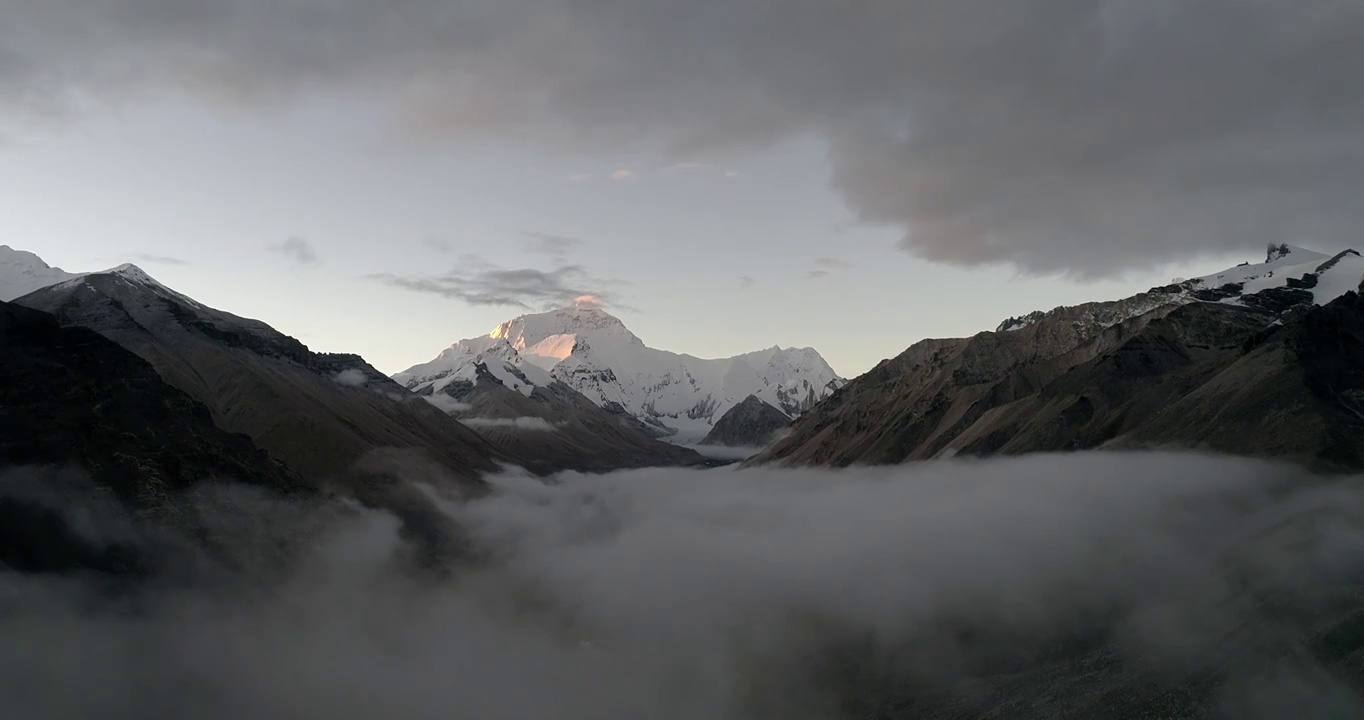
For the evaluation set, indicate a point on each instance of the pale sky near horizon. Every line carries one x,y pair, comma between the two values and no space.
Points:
197,200
852,182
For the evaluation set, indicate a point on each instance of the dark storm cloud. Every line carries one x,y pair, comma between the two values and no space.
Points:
1077,136
480,283
298,250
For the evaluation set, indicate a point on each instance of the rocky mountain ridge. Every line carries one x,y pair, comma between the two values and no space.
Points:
1262,369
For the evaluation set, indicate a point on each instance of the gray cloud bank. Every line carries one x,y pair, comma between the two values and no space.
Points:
1077,136
924,590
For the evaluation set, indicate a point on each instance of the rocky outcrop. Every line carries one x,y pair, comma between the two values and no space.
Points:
1214,376
751,423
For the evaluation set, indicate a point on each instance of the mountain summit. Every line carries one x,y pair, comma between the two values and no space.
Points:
594,353
546,339
22,272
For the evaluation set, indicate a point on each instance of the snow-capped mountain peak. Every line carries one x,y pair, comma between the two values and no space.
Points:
593,352
22,272
546,339
1280,251
1289,276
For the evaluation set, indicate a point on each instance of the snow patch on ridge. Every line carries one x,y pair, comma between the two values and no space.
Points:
460,362
1290,271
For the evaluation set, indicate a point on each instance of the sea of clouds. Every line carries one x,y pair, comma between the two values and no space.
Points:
1029,585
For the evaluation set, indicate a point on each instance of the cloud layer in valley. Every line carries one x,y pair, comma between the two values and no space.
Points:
731,594
534,424
1075,136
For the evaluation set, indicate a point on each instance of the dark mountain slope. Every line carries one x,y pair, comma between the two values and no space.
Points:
70,397
1201,375
317,413
557,428
1296,391
751,423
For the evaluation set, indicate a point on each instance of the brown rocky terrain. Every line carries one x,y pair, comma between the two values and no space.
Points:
1200,375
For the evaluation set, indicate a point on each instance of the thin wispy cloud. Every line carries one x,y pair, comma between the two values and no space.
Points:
824,266
156,259
298,250
440,245
624,176
485,284
542,243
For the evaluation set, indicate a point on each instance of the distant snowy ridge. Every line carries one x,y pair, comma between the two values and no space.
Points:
1323,277
460,362
22,272
594,353
1290,276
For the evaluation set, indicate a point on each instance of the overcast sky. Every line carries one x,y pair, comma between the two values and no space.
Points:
387,178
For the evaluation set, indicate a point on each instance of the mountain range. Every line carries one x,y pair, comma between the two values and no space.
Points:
590,351
1261,360
478,406
1258,359
150,444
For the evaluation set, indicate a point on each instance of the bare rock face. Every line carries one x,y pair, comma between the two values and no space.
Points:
1231,378
751,423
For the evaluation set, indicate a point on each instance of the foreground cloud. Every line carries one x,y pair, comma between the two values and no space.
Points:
1081,136
1105,584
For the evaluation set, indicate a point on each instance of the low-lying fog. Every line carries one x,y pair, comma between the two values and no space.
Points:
1051,584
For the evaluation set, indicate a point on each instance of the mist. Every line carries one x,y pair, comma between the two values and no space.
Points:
1025,585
